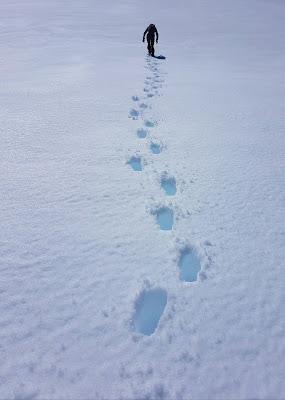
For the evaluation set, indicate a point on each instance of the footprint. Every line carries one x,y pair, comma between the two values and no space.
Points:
146,90
134,114
141,133
143,105
149,124
150,95
155,148
149,308
168,184
136,163
164,218
189,265
135,98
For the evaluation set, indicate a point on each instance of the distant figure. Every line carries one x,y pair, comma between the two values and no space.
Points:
151,32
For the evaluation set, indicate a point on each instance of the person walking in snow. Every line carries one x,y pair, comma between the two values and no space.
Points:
152,34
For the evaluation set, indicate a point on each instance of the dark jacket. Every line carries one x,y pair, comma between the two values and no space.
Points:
151,32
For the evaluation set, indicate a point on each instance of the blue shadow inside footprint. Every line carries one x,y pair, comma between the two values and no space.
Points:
155,148
134,113
189,265
143,105
149,124
135,163
164,216
169,186
148,310
141,133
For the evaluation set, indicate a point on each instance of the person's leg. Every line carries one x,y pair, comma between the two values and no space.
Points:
149,45
152,46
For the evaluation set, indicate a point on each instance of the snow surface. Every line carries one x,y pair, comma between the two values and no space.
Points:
93,298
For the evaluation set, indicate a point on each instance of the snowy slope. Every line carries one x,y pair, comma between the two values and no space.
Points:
142,200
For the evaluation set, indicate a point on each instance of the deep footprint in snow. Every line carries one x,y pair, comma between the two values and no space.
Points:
189,265
135,98
136,163
143,105
155,148
134,113
168,184
164,218
150,95
149,124
149,308
141,133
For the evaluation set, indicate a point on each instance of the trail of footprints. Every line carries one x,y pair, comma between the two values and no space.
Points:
151,302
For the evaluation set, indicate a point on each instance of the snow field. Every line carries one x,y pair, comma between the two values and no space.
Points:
115,200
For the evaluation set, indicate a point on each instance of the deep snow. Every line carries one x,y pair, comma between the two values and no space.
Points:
98,300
